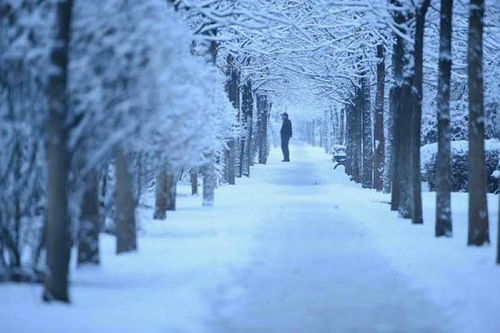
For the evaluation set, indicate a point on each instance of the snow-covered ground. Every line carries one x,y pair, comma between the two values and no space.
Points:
295,248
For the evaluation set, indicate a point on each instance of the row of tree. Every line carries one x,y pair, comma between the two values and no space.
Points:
384,144
103,102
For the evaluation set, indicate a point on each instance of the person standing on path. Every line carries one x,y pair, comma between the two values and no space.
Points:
286,134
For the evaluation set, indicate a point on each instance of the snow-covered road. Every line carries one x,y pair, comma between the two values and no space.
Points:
312,269
296,248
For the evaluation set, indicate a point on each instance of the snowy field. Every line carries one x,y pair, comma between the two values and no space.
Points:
295,248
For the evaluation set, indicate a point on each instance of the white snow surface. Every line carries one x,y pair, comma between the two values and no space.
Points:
295,248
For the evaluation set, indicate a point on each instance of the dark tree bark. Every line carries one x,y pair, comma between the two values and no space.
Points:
88,234
231,160
247,113
340,138
258,128
194,181
126,235
443,162
357,138
233,91
367,137
15,261
402,117
379,156
263,115
498,232
242,149
349,164
209,181
478,208
390,146
171,189
394,106
227,161
416,120
404,145
58,240
161,199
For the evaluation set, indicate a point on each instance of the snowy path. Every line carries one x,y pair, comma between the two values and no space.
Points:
296,248
312,269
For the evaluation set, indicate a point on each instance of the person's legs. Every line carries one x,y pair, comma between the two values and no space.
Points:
286,150
283,148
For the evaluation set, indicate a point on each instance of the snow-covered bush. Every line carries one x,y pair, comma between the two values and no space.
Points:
459,173
136,83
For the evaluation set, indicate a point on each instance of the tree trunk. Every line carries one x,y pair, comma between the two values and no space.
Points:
405,193
349,163
357,137
443,162
263,109
416,121
247,110
231,161
498,232
394,142
379,156
242,151
389,147
478,208
194,181
126,238
15,252
58,239
366,133
161,195
340,138
227,160
233,91
171,189
88,234
402,106
209,181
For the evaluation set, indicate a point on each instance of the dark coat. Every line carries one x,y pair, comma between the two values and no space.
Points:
286,129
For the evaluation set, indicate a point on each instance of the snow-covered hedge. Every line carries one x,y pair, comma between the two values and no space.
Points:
459,173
